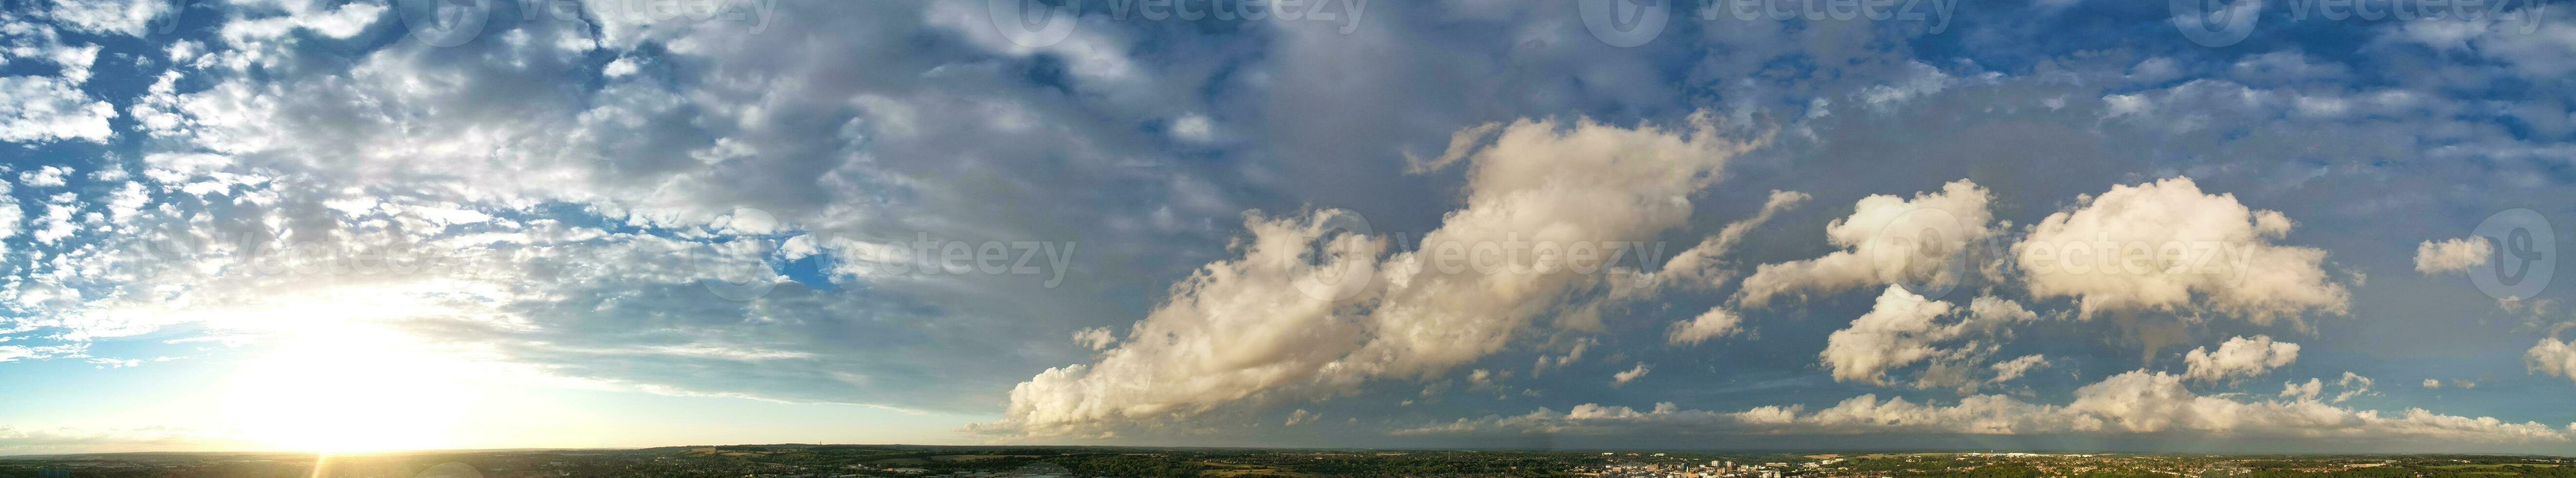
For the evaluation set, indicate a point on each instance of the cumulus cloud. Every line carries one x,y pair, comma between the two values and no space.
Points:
2137,402
44,177
1095,338
1898,331
1309,310
2307,391
1717,322
1302,416
2008,370
1622,378
2239,357
1887,240
2451,255
1903,329
2167,246
127,17
2549,357
36,108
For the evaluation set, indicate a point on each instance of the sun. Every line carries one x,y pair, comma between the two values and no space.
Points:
349,389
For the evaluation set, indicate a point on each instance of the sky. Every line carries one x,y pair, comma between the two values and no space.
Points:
2247,225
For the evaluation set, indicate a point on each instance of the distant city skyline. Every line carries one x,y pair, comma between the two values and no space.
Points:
2050,225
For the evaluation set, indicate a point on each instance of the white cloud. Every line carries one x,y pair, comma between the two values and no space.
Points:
343,21
44,177
620,67
2239,357
2451,255
2306,391
1920,80
127,17
75,61
60,219
1622,378
1898,331
2549,357
1717,322
1572,354
2008,370
2432,383
2167,246
1902,329
1703,265
36,108
2353,385
2137,402
1302,416
1885,241
1096,57
11,216
1095,338
183,51
1194,128
1273,329
2532,44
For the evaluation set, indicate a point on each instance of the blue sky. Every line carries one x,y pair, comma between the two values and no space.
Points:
313,224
